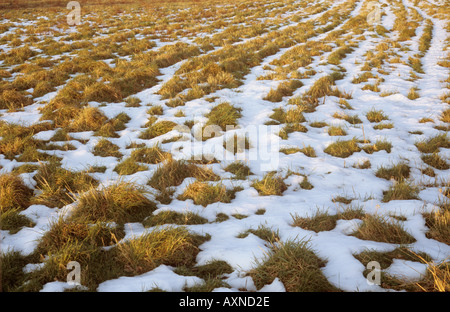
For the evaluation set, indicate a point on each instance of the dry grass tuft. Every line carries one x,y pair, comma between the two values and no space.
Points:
270,184
343,149
296,265
121,202
13,192
204,194
382,229
173,173
58,186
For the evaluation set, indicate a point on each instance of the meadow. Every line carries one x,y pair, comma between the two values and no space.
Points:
125,145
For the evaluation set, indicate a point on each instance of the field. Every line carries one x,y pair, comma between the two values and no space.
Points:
269,145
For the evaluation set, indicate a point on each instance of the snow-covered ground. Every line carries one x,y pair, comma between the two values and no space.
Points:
330,176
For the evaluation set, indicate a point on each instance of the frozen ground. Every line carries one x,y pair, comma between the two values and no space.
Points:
330,176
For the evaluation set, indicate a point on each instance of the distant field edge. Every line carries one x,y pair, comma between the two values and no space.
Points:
28,4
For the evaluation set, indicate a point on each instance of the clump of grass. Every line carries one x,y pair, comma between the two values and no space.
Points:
343,149
342,199
289,150
380,229
155,110
305,184
18,55
296,265
378,146
416,64
445,116
402,190
291,127
425,120
428,171
436,161
425,39
337,55
172,217
223,115
179,113
115,124
88,119
397,172
382,126
11,220
149,155
363,165
438,223
376,115
13,192
292,116
323,86
323,221
175,102
372,87
129,166
307,150
121,202
303,103
58,186
61,147
15,139
106,148
442,127
61,135
350,119
30,153
336,131
221,217
344,104
173,172
133,101
436,278
11,266
203,193
157,129
64,232
264,233
284,89
413,94
13,100
101,92
433,144
270,184
318,124
173,246
240,170
363,77
210,272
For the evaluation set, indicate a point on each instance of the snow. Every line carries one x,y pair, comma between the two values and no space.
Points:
26,240
329,175
162,277
410,271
